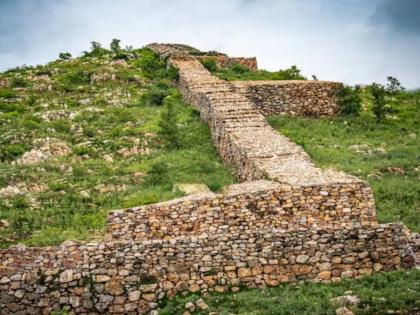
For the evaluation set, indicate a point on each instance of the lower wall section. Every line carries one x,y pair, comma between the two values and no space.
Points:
301,98
131,277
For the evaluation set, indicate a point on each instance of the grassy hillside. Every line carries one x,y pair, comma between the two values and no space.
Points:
386,154
389,293
85,135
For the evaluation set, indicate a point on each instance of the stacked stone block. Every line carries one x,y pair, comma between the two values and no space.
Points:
295,97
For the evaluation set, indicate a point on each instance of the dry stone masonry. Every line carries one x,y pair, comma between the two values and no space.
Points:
287,221
295,97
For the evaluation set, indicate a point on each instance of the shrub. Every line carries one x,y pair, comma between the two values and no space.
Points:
150,64
7,93
349,100
172,73
64,56
168,127
210,64
115,46
293,73
75,77
239,68
96,50
19,82
379,107
11,151
157,175
155,94
394,86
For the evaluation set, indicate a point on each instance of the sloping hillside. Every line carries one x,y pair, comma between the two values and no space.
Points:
82,136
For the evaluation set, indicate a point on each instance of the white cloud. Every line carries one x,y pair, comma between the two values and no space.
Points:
333,41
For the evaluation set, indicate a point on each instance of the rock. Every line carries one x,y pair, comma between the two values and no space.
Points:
345,300
396,170
74,301
114,287
50,148
18,189
84,194
4,280
66,276
324,275
102,278
108,158
301,259
244,272
191,189
190,306
201,304
134,296
343,311
4,224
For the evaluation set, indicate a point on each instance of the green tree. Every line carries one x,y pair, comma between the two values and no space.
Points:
115,46
379,107
64,55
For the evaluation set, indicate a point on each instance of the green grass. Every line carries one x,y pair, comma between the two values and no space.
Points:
98,119
380,293
394,143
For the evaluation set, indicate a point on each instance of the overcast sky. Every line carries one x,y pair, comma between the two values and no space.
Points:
355,41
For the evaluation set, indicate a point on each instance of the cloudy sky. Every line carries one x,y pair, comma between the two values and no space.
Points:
355,41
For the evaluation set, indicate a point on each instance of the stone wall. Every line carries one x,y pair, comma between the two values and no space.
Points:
296,97
130,277
245,207
288,221
225,61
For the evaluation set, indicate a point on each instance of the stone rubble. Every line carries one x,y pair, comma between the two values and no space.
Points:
49,148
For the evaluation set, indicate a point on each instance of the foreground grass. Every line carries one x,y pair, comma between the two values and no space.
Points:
387,155
111,125
379,294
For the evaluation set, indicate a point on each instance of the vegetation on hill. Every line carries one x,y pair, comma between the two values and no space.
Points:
82,136
242,73
384,152
388,293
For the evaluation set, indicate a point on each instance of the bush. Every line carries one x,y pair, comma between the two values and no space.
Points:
75,78
155,94
151,66
349,100
19,82
64,56
210,64
172,73
239,68
394,86
11,151
115,46
379,107
157,175
168,127
96,50
7,93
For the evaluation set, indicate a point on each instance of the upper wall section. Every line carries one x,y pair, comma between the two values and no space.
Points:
251,206
243,137
183,51
223,60
296,97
